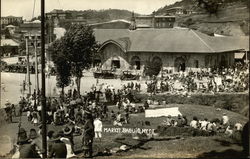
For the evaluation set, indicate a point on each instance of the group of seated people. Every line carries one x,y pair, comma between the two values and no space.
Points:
213,126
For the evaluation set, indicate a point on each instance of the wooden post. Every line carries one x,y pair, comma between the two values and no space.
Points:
28,65
36,68
43,100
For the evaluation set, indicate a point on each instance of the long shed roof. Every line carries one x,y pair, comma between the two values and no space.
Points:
170,40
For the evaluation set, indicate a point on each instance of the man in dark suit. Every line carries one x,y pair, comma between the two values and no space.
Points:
26,149
88,135
57,148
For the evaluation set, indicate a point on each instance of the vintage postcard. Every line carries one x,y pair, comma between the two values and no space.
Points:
124,79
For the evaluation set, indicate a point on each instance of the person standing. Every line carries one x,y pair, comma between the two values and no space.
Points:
68,140
88,135
36,140
26,149
57,148
98,128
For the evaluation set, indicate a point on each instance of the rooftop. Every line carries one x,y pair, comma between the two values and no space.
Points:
170,40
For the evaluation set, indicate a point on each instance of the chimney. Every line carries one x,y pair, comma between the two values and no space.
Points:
133,23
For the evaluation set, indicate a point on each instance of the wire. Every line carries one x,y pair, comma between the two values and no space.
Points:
59,4
34,6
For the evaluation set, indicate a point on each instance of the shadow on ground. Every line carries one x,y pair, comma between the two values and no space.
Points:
230,153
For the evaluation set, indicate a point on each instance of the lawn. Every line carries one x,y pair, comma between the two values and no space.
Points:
164,147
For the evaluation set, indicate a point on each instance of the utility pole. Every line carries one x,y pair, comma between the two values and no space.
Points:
28,65
36,65
43,100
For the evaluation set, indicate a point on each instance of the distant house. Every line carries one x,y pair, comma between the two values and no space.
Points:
11,20
175,11
178,11
8,47
174,49
154,21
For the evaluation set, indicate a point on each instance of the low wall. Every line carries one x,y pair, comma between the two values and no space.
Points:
235,102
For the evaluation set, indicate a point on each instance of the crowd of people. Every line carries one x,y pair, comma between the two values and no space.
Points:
82,115
233,79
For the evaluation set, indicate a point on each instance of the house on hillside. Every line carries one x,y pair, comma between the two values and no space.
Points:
173,49
175,11
178,11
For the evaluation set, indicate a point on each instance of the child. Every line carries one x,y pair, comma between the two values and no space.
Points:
98,128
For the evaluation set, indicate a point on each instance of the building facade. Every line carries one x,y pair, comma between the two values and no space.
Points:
173,49
10,20
154,21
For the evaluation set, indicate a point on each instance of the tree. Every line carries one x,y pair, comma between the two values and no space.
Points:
152,68
77,47
80,45
211,6
7,34
62,66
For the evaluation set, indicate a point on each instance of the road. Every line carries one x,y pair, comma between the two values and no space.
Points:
11,85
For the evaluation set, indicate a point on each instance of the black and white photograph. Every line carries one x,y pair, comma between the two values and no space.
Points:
113,79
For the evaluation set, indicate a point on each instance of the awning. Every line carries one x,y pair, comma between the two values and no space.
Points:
239,55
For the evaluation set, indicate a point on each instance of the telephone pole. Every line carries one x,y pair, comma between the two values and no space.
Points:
43,100
28,65
36,67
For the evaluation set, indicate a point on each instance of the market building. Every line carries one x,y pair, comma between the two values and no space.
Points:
173,49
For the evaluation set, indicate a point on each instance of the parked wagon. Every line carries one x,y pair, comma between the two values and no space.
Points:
128,75
105,74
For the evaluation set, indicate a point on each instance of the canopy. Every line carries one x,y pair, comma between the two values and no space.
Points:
239,55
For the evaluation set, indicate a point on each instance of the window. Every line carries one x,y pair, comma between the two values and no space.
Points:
196,63
207,59
135,62
115,63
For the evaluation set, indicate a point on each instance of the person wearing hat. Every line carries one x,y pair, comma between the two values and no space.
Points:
68,132
88,135
26,149
36,140
68,140
57,148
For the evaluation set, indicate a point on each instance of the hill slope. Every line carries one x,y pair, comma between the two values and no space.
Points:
102,15
232,18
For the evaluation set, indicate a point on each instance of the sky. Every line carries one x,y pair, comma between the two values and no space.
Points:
24,8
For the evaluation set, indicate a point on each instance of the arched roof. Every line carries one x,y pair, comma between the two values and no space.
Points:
122,43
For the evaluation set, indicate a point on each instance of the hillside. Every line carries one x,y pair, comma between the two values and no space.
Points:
102,15
232,18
